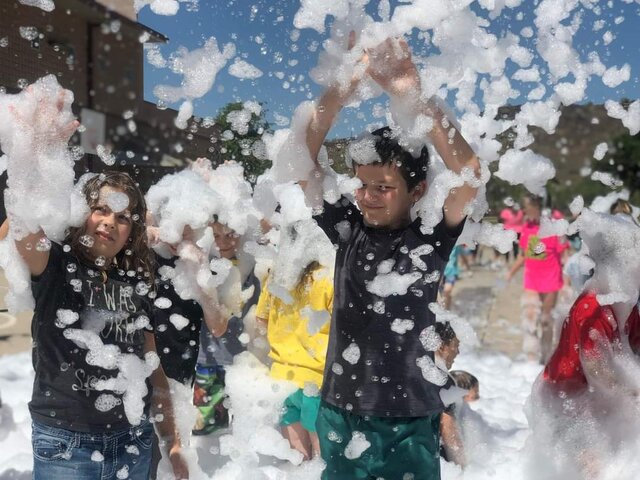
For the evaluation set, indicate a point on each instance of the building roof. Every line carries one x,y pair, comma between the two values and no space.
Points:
92,9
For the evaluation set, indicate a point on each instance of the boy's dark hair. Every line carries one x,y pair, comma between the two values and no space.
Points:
464,379
413,170
445,332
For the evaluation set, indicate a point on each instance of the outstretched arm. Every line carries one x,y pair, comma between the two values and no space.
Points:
48,128
451,439
327,109
391,66
35,259
516,266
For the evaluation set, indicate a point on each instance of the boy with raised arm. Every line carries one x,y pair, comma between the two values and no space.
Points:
381,405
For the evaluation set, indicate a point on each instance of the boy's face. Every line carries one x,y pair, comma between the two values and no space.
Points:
384,199
473,395
226,239
449,351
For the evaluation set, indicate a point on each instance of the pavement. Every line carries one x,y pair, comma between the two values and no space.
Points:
491,308
15,330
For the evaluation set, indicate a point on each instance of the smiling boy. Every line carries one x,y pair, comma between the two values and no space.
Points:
376,373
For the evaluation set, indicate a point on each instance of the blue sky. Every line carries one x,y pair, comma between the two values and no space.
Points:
264,36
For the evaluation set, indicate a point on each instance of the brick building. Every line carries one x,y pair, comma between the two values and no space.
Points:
95,49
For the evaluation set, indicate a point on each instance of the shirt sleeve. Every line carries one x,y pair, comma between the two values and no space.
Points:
596,332
445,238
337,219
264,303
53,268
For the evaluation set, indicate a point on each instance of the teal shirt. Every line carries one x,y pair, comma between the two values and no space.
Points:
451,269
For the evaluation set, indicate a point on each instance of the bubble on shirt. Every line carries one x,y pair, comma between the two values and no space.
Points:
106,402
162,302
177,320
65,317
401,326
352,353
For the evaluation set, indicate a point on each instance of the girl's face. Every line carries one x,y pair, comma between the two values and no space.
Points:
110,230
531,210
226,239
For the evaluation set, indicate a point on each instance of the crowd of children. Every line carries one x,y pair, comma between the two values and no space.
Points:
133,300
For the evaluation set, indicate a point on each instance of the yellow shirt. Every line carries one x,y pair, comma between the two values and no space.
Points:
298,356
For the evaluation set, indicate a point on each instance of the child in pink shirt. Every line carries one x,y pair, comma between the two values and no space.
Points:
541,258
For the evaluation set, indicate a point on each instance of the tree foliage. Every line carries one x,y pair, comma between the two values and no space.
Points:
246,148
625,163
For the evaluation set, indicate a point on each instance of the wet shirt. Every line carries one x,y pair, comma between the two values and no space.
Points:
67,389
298,349
177,347
589,331
542,259
376,364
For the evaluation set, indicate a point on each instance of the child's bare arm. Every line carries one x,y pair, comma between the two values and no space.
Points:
215,317
47,128
327,109
516,266
35,259
391,66
451,439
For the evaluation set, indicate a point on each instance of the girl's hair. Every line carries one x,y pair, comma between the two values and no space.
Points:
136,255
621,206
307,274
464,379
534,200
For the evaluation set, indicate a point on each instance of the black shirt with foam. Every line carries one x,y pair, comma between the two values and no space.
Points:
178,348
386,380
65,388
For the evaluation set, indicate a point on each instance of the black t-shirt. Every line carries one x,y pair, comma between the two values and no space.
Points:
64,389
385,379
178,348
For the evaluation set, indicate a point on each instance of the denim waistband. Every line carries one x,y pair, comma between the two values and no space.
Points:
132,431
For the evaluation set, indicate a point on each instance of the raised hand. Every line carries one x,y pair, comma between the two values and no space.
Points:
45,118
391,66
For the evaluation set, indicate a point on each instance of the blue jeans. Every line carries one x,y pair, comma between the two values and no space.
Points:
60,454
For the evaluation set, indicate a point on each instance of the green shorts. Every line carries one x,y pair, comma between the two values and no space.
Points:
401,447
298,407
